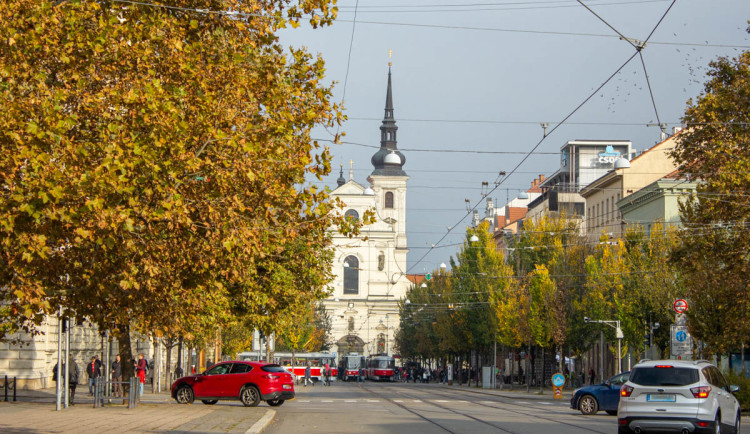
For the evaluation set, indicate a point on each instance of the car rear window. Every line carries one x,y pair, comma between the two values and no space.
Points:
658,376
273,368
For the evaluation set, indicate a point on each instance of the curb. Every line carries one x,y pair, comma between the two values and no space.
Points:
264,421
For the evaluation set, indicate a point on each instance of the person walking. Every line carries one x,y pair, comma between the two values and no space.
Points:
140,371
73,374
94,371
116,372
592,375
307,375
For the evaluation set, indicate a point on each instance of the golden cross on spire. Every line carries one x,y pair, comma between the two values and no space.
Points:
390,56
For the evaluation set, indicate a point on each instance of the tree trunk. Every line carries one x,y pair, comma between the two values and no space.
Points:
541,374
126,354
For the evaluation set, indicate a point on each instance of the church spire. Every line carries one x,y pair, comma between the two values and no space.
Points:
341,181
388,143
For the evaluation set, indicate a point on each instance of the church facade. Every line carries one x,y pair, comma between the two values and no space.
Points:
370,270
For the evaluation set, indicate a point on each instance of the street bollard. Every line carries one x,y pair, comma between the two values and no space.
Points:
6,388
15,387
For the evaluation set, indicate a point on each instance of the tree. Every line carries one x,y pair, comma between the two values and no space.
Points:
713,253
155,162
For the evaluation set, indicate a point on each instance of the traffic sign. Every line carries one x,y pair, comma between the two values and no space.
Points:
558,380
428,277
680,306
682,342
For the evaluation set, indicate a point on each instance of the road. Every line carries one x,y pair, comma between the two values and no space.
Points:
428,408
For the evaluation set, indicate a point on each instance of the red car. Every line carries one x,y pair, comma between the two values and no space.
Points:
250,382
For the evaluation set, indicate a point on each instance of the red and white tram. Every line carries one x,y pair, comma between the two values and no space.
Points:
380,367
316,360
351,365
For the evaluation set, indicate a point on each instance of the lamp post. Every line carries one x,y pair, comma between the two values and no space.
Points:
618,334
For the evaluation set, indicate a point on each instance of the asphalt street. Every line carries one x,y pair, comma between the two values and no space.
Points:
430,408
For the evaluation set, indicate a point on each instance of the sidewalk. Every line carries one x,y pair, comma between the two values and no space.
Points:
35,412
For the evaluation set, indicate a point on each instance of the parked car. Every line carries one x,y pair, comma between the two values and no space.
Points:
250,382
596,397
680,396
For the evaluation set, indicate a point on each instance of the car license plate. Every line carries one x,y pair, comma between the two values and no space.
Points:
287,386
660,397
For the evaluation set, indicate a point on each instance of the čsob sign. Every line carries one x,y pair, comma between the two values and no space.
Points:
609,156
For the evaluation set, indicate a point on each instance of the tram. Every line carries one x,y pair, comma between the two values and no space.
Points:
350,366
317,361
380,367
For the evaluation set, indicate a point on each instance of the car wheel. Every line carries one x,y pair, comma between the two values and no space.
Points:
612,412
275,402
717,424
737,421
209,401
184,395
250,396
588,405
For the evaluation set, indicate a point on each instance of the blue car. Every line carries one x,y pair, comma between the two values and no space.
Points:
605,396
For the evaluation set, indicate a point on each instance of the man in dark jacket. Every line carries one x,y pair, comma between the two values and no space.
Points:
117,376
73,374
94,371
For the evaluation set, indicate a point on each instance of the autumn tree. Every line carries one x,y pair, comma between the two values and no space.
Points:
713,254
155,160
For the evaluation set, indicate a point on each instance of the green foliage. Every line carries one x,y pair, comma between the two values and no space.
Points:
743,395
714,244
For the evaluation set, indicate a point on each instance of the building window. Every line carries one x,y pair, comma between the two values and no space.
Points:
351,275
389,199
606,212
351,215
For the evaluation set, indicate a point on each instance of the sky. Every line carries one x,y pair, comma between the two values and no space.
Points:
473,80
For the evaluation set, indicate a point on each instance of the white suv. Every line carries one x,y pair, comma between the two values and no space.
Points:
678,396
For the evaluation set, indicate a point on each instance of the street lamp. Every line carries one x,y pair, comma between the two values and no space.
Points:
474,239
618,334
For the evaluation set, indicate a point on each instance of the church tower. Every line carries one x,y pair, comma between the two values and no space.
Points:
370,270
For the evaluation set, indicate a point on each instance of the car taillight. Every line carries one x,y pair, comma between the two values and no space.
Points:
702,424
626,390
271,377
622,422
700,392
664,366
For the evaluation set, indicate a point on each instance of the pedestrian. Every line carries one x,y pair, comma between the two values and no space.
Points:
140,371
307,375
592,375
116,373
360,375
94,371
327,375
73,374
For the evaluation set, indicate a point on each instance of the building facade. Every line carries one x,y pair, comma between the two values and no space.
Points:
603,216
370,270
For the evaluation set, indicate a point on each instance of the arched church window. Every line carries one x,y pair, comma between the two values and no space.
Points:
351,275
351,215
389,199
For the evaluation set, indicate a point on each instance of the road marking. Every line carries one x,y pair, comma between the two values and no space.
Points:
441,400
373,400
327,400
398,400
304,400
545,403
416,400
350,400
464,402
